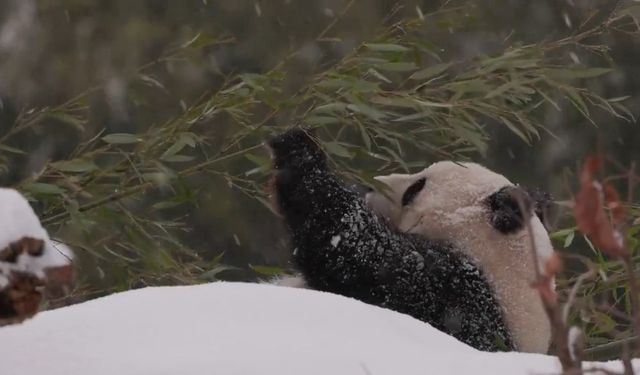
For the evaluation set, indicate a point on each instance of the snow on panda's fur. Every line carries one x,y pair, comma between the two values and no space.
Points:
343,247
475,209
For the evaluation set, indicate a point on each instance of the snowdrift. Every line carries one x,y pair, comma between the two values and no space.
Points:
238,328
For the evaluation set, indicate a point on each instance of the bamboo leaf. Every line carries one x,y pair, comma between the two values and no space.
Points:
378,75
152,82
173,149
618,99
429,72
330,107
569,239
121,138
427,103
322,120
75,165
337,149
68,119
43,188
574,97
365,136
267,270
575,73
396,158
413,117
11,150
366,110
177,158
515,130
386,47
213,273
189,139
398,66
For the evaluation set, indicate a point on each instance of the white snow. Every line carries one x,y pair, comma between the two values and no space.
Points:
292,281
574,337
237,328
64,252
17,220
335,240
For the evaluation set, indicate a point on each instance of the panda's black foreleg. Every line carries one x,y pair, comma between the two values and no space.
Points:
340,245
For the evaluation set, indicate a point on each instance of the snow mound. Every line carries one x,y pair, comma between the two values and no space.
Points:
237,328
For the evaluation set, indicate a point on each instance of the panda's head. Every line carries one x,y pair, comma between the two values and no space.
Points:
459,201
483,215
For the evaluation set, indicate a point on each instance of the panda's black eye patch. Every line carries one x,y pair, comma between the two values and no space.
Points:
412,191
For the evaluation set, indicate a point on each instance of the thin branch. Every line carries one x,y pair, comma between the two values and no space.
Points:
50,220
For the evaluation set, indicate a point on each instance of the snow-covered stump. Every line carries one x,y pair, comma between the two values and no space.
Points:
30,262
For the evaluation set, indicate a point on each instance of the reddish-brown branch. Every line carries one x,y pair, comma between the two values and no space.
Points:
607,230
633,298
571,364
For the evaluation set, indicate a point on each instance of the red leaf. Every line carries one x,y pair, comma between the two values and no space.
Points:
612,198
589,210
553,265
591,166
544,285
546,292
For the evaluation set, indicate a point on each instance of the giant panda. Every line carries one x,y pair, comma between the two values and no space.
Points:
342,246
477,211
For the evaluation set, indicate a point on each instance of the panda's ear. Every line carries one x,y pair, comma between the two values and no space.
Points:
395,185
506,207
544,207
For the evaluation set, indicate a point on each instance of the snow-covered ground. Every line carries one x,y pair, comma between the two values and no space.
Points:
238,328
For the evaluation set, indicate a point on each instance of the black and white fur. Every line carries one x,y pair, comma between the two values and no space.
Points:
343,247
479,212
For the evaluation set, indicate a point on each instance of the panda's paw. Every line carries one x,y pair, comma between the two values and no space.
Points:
296,149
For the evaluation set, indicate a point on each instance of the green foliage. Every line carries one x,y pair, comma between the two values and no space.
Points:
598,290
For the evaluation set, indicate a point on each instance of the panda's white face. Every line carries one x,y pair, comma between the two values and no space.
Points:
443,200
449,201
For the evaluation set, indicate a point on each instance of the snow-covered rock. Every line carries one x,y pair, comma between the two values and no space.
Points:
237,328
29,259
